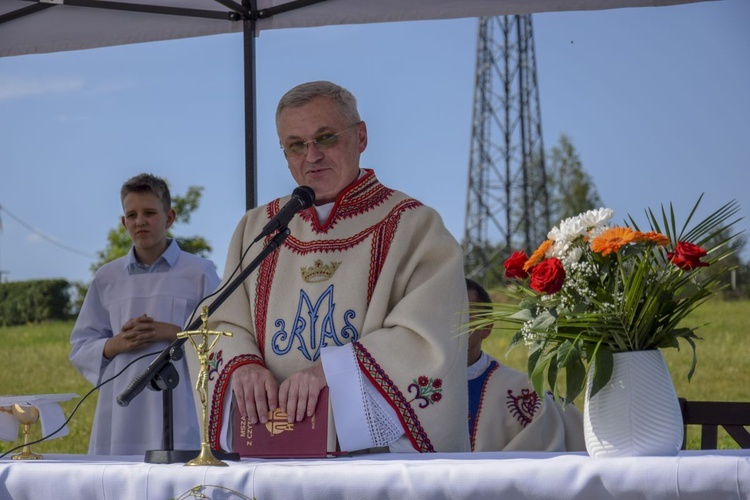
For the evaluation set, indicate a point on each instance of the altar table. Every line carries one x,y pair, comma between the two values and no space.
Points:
699,475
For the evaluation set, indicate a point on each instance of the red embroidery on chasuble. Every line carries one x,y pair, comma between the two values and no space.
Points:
381,242
364,195
216,413
388,389
382,234
273,208
362,198
473,436
263,284
523,406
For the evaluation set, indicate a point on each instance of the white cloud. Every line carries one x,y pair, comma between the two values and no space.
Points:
16,88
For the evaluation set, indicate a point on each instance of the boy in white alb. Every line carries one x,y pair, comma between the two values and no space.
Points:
505,413
136,305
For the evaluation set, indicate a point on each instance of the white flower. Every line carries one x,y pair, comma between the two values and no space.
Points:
573,227
596,218
558,249
568,230
572,257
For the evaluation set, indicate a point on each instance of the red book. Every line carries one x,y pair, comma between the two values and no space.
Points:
312,437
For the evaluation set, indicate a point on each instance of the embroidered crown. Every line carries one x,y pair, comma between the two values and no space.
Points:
318,271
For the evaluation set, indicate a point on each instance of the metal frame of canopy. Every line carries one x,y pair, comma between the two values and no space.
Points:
246,13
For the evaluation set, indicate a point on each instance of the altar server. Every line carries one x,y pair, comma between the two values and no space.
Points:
505,413
135,305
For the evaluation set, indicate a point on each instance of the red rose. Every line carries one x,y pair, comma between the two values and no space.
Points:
514,265
548,276
687,256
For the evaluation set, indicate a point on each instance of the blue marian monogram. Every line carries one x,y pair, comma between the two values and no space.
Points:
314,327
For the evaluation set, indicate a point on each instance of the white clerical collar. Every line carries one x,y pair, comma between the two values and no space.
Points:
478,367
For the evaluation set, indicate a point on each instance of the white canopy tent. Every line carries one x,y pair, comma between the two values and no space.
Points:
42,26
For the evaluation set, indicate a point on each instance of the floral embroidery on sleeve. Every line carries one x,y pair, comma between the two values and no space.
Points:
427,390
215,360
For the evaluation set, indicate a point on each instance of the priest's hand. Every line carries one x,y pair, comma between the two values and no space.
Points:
255,391
298,395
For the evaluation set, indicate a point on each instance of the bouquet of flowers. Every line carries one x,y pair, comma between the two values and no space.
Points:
593,289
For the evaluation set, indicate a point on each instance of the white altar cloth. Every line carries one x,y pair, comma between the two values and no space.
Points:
699,475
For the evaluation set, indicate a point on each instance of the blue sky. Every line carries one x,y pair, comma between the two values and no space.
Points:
655,100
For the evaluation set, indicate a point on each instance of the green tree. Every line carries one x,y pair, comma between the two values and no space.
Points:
571,189
736,279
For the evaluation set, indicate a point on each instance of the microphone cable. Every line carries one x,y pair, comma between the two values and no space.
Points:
222,287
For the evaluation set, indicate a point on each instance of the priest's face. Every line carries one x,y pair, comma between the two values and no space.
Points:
322,149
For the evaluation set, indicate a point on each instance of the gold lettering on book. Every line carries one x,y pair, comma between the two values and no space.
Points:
249,437
277,422
246,431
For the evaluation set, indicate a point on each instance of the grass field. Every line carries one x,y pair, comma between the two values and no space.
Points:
36,362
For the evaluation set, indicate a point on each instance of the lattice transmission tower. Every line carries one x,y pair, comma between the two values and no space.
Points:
507,206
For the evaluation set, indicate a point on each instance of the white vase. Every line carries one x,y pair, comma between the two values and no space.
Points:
637,412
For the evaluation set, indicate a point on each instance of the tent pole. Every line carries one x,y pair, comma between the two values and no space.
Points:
251,154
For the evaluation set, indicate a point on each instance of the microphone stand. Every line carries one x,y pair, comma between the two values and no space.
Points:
161,374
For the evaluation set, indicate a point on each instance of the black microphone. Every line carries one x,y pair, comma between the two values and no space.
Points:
302,197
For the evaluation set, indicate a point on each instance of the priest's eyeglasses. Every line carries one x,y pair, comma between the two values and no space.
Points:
322,142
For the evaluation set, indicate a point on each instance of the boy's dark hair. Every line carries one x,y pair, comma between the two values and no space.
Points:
147,183
482,294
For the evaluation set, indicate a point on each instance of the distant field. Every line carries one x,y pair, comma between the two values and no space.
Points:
36,362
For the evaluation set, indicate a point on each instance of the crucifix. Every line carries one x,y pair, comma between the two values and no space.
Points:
206,456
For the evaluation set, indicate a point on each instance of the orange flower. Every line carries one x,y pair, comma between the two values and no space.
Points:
612,240
652,237
538,255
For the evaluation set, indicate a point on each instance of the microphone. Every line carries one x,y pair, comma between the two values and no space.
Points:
302,197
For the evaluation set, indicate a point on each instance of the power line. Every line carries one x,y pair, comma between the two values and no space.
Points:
42,235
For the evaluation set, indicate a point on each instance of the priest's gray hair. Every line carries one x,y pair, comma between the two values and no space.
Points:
306,92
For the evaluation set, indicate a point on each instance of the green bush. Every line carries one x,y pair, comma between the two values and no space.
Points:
34,301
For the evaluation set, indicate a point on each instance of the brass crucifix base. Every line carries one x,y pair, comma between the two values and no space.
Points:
207,457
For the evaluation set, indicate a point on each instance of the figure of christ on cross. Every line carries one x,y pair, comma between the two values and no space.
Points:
203,350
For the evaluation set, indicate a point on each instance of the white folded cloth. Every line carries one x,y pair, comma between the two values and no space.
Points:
50,414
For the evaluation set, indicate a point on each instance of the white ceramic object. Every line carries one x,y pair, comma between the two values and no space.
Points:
637,413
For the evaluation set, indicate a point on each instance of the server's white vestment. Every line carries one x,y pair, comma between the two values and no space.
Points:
115,296
506,414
